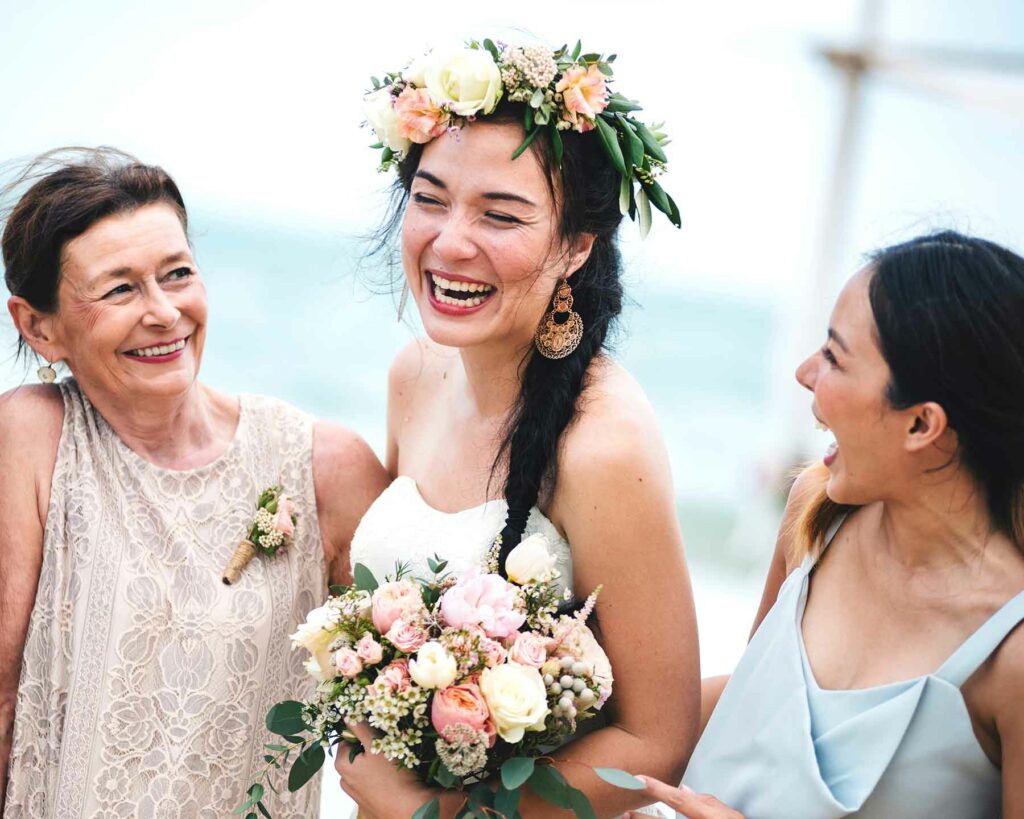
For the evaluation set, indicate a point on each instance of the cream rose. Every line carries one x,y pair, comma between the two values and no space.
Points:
379,109
530,560
516,698
316,635
433,667
468,81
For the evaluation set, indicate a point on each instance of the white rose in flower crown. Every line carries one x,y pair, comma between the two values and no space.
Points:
468,81
379,108
416,73
315,635
530,560
516,698
433,666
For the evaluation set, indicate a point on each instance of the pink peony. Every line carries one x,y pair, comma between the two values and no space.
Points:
529,649
347,662
462,704
485,600
419,118
394,600
406,637
584,95
394,677
369,650
283,522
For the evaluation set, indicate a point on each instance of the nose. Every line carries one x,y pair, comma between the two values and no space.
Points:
807,373
454,241
160,310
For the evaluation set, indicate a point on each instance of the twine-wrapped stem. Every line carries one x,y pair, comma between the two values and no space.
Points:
244,552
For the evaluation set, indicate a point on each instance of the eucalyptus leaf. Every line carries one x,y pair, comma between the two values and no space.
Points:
482,796
337,590
506,802
365,581
429,810
618,104
576,51
611,143
445,778
263,809
305,766
550,786
580,804
590,58
605,69
251,816
620,779
650,141
286,718
491,47
515,771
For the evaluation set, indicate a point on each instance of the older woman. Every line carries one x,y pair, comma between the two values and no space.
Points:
884,677
133,682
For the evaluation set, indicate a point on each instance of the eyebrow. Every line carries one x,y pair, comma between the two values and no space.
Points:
117,272
494,196
838,339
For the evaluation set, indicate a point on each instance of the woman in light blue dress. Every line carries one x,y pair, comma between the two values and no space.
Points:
885,676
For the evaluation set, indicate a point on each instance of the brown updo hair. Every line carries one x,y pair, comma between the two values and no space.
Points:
70,189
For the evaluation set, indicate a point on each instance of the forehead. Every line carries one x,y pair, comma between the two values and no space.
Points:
478,159
134,239
852,317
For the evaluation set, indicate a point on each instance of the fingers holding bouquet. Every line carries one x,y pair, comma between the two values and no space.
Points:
684,801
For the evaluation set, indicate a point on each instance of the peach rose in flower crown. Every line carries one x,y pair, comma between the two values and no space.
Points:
484,600
394,600
419,117
584,95
462,704
406,637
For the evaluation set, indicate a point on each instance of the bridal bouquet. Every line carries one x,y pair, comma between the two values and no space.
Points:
465,679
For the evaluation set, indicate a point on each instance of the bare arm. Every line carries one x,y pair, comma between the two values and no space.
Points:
1008,682
348,477
30,421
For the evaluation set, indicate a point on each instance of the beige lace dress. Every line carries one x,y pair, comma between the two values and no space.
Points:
145,680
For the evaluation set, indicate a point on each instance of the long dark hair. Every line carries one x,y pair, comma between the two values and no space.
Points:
949,310
586,190
68,191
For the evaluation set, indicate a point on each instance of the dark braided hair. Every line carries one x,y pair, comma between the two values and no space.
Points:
586,192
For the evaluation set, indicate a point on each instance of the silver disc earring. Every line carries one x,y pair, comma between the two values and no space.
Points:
47,374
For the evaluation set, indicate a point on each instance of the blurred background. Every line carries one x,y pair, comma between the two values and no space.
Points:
805,134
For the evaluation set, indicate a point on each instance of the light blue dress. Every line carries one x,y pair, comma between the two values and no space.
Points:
778,746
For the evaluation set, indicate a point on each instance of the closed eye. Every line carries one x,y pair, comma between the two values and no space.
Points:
423,199
504,217
829,355
120,290
180,273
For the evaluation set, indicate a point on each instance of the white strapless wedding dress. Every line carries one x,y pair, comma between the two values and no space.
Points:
401,527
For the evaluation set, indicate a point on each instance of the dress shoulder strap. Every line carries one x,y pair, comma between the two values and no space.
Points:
979,646
830,534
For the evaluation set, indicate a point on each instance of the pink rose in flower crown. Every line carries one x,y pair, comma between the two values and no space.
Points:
529,649
462,704
369,650
394,677
347,662
419,118
394,600
283,522
406,637
484,600
584,95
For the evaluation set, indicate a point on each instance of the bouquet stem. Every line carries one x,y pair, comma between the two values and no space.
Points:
244,552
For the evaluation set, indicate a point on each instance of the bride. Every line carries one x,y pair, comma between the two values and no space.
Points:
496,426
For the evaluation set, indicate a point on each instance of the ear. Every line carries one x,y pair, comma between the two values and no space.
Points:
928,423
37,328
580,252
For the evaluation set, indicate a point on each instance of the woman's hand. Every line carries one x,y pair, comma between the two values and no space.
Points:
683,800
375,784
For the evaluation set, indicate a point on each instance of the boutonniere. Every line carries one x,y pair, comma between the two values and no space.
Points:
272,528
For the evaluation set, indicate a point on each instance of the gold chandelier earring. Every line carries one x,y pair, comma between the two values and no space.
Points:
561,328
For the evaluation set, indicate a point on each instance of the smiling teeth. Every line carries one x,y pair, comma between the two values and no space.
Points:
464,287
164,349
441,297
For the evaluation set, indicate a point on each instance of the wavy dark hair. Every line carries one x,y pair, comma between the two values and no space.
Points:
585,188
68,191
949,312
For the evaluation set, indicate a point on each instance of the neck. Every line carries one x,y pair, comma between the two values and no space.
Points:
493,377
945,523
182,431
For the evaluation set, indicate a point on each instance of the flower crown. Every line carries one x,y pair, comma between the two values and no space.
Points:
561,90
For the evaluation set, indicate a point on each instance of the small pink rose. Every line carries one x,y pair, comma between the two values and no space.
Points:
584,95
529,649
369,650
347,662
494,652
394,677
394,600
406,637
484,600
283,522
419,118
461,704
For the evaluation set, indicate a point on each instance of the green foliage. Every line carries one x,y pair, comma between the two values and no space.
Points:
516,771
305,766
365,581
620,779
506,802
286,719
611,144
550,786
429,810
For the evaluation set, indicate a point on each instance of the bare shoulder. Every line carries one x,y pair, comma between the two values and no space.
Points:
31,417
420,358
342,459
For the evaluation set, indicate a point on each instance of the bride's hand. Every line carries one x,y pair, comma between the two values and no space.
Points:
685,801
375,784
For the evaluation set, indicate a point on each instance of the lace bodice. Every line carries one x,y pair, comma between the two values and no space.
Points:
145,680
401,527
